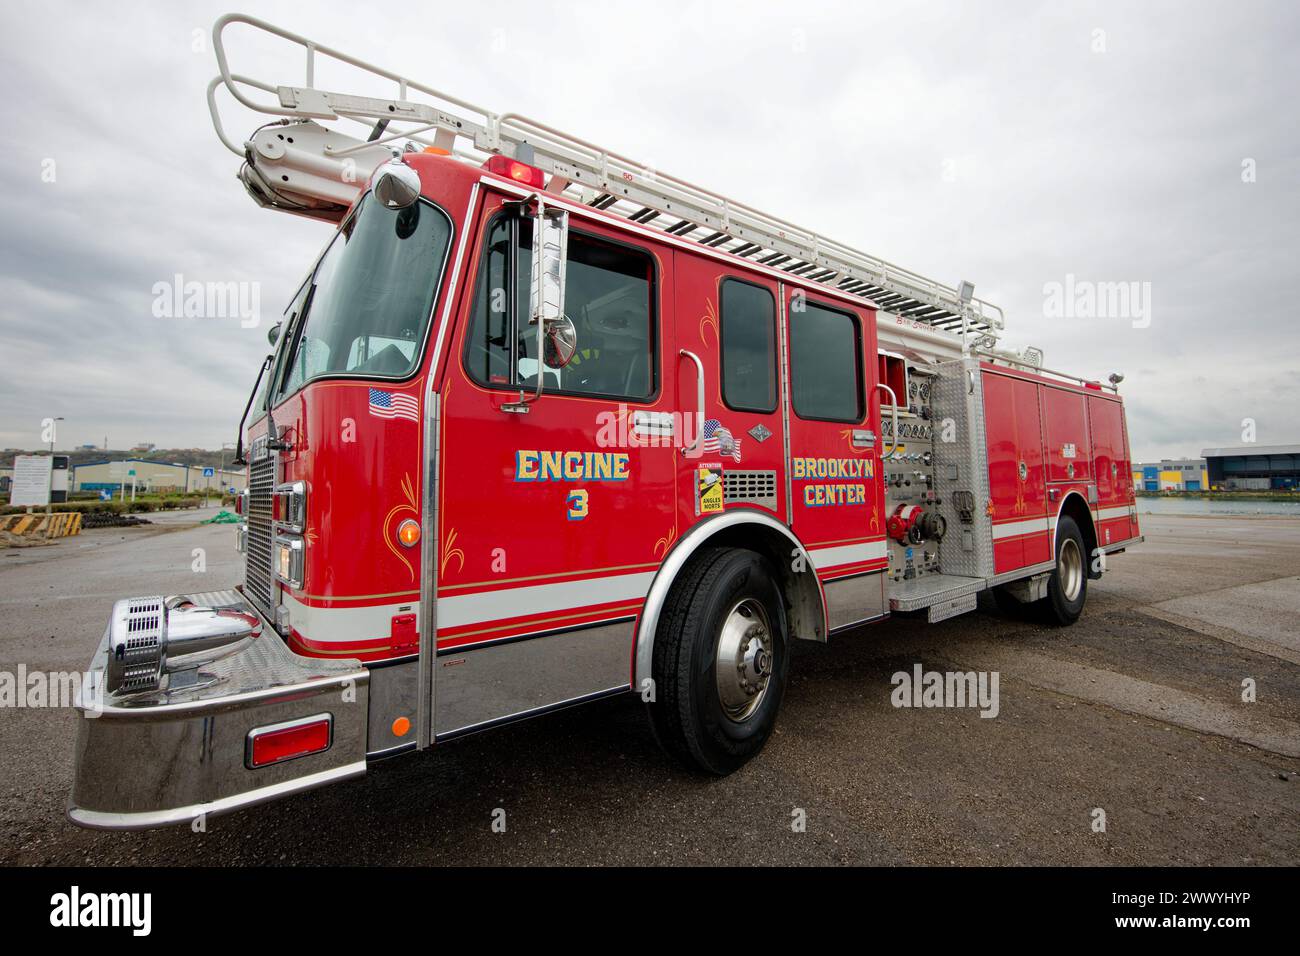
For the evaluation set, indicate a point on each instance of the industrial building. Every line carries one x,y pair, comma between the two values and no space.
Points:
1171,474
1254,467
161,477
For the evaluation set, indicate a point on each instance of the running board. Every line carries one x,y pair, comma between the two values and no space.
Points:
941,596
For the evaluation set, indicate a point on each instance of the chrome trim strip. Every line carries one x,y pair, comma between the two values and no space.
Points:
428,620
210,706
1026,572
841,628
535,712
532,635
784,352
147,820
1121,545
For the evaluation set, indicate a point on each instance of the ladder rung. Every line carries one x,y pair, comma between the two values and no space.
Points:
585,169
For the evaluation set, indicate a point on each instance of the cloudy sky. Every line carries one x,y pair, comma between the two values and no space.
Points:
1013,144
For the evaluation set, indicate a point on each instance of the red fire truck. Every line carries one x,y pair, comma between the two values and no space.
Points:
543,426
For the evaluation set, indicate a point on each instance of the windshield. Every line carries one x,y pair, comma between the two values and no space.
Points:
369,301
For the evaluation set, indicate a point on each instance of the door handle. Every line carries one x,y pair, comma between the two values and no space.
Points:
893,404
699,401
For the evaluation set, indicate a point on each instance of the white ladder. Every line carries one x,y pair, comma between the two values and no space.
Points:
579,170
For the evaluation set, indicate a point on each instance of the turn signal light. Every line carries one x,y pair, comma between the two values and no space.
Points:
514,169
294,738
408,533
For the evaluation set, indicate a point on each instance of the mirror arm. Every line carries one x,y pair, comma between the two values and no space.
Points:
538,259
536,308
239,443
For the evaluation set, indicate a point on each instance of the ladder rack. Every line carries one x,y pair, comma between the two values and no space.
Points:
586,173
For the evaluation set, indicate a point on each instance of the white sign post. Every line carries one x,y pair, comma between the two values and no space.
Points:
31,484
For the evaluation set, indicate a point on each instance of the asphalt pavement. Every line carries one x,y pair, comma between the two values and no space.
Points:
1136,712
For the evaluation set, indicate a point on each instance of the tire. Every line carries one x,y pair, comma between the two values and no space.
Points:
726,603
1067,588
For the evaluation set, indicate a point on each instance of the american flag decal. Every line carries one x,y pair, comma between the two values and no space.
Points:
393,405
718,439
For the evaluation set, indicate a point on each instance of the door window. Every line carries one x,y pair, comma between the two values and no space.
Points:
609,296
748,318
825,363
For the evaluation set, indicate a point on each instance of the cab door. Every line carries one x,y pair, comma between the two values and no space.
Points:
553,513
837,497
733,442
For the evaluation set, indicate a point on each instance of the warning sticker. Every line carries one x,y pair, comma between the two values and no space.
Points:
708,488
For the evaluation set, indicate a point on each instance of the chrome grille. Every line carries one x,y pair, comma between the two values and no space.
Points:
749,487
258,582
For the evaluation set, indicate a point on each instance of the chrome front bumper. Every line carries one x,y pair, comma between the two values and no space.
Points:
177,754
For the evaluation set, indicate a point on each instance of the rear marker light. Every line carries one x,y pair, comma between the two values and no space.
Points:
277,743
514,169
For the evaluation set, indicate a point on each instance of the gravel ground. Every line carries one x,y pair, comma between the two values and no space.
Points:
1135,710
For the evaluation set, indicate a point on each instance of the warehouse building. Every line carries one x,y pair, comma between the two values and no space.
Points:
1172,474
1254,467
158,477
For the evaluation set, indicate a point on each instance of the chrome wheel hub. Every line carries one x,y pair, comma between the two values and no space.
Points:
744,661
1070,568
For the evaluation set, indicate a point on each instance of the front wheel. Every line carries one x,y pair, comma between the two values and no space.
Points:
720,661
1067,588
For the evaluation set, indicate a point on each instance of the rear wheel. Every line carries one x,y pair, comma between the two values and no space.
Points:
720,661
1067,588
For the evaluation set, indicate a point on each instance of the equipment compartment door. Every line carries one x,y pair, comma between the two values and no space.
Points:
1113,469
1065,429
1017,486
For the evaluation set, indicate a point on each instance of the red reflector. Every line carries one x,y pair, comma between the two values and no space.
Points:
295,738
514,169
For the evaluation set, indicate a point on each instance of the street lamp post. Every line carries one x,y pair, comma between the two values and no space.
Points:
49,498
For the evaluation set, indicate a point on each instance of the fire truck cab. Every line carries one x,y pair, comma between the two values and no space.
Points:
542,427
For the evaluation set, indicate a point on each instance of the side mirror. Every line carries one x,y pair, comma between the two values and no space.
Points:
557,339
561,343
273,333
396,185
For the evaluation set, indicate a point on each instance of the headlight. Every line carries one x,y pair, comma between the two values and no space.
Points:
291,506
289,559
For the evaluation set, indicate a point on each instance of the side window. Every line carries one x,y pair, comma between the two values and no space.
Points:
825,364
609,295
748,319
288,328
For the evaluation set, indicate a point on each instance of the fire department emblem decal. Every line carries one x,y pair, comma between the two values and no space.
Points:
760,433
